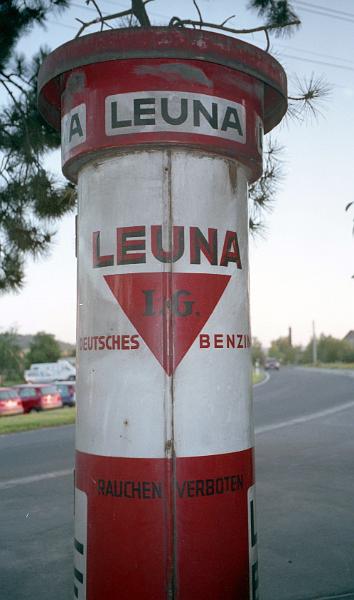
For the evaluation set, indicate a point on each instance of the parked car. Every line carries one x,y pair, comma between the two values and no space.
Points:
67,391
39,397
62,370
272,363
10,402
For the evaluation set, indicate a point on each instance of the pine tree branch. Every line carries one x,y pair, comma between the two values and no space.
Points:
226,20
139,11
98,19
268,40
199,13
10,79
103,19
13,98
262,192
311,92
98,10
277,12
177,22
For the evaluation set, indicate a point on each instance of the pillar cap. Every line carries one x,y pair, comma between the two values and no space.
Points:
162,42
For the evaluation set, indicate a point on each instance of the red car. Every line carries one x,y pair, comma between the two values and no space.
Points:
10,403
41,396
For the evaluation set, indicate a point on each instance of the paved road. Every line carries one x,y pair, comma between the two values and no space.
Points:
305,485
305,491
36,515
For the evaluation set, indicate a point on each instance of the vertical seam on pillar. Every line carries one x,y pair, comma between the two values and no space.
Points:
172,379
168,343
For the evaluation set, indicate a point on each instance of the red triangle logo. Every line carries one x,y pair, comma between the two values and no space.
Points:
168,309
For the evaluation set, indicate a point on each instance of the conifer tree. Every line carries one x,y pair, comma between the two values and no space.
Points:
30,197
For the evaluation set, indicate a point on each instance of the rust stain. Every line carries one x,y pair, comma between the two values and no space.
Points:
175,72
233,174
76,82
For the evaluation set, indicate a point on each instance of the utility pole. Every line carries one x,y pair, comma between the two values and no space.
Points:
314,344
290,337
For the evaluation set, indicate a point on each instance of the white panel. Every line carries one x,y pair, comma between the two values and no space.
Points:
120,394
213,386
184,112
73,129
126,403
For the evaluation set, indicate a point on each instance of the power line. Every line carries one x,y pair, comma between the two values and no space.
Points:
83,7
319,62
62,25
297,49
330,10
87,8
278,52
325,14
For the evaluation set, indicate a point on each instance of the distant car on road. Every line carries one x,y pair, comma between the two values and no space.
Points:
39,397
67,391
272,364
10,402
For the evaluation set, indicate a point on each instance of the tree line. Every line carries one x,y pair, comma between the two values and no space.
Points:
45,348
328,349
14,360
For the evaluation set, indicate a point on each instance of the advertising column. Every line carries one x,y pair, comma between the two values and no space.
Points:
162,129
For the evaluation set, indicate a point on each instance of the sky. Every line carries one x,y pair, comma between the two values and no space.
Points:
301,267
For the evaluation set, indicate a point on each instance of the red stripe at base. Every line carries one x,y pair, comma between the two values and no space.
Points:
153,535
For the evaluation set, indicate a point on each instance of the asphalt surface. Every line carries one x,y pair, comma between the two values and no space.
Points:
305,496
36,515
305,485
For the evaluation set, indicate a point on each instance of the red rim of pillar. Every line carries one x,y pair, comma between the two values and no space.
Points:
87,70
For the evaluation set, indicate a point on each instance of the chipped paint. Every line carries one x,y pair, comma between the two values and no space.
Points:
233,174
76,81
175,71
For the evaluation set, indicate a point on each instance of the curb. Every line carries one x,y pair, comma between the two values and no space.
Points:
265,380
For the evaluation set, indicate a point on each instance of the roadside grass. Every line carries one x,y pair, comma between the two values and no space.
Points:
336,365
11,382
50,418
257,377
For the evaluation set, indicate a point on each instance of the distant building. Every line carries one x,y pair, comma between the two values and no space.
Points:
349,338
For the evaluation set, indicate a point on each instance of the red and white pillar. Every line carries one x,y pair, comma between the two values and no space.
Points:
162,130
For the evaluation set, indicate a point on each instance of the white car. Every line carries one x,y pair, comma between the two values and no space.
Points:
62,370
